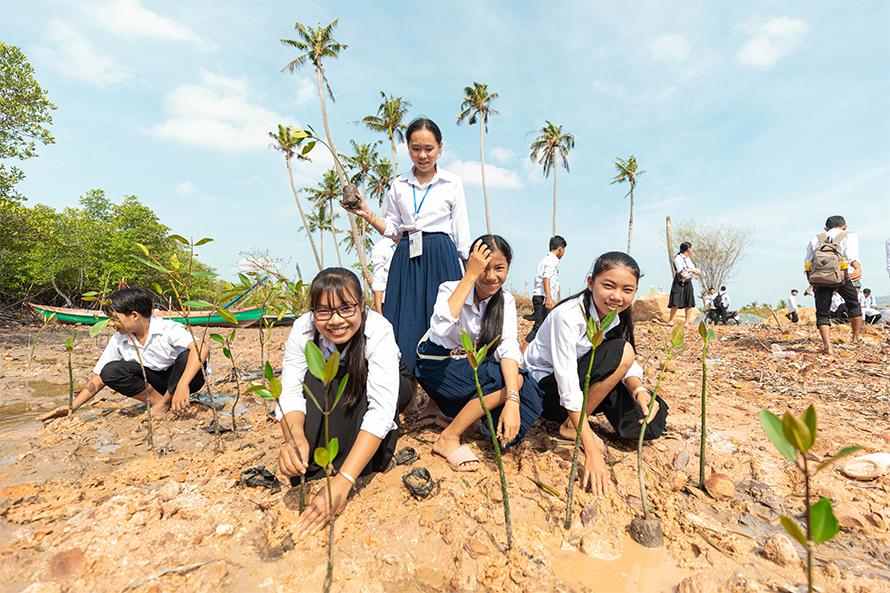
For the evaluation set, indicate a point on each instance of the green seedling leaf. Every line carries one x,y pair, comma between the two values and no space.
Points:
678,336
245,281
839,455
308,148
710,335
772,427
333,448
331,367
217,338
482,353
269,372
340,389
142,248
466,342
197,304
203,274
315,360
179,239
547,488
809,418
591,329
823,524
260,391
796,432
151,264
703,330
311,396
793,530
597,339
227,316
471,358
322,457
298,134
232,335
607,320
91,293
69,344
275,387
99,327
203,241
227,353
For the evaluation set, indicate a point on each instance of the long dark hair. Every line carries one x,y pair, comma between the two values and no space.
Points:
493,318
604,263
423,123
345,284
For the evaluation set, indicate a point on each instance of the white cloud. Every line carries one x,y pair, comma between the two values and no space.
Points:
218,112
672,47
495,177
71,54
130,19
771,41
638,96
306,92
186,188
501,155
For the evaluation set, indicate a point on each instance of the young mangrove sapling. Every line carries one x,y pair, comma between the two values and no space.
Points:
226,343
475,358
793,437
706,336
69,348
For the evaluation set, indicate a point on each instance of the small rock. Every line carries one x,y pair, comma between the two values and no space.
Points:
699,583
742,584
850,517
720,486
681,459
476,548
646,532
597,546
779,549
678,481
464,578
589,514
169,490
225,529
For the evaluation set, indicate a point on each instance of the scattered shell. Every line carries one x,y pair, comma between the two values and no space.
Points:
779,549
225,529
720,486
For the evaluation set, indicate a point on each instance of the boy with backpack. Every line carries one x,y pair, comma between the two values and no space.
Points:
832,264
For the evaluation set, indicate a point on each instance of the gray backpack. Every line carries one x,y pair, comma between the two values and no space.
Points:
826,267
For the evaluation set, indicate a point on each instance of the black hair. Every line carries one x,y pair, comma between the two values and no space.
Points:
722,288
128,300
345,284
793,290
604,263
834,222
493,319
423,123
684,246
556,242
868,290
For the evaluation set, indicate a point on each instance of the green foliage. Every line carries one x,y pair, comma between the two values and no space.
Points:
25,114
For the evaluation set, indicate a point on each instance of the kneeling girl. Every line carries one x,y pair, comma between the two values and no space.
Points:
559,355
478,305
365,419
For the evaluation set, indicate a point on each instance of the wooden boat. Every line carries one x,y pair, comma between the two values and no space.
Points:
245,317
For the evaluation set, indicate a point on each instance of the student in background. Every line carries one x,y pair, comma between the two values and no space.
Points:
710,308
381,258
682,294
722,303
792,307
546,292
869,306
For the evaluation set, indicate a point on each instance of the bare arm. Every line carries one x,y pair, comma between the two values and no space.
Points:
192,368
93,386
378,301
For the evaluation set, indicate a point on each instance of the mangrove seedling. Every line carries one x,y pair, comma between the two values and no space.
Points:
793,437
226,343
646,530
706,336
595,333
476,357
47,319
69,348
326,371
272,390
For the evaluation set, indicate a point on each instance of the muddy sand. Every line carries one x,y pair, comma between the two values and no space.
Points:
84,506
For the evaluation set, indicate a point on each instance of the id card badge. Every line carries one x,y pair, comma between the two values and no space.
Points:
415,244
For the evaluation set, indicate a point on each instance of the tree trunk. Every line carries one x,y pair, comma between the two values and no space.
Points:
334,234
484,186
392,140
359,247
669,236
68,302
321,241
554,201
293,187
630,220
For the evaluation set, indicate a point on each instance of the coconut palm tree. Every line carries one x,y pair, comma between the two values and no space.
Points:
288,144
380,180
314,46
361,162
323,194
390,113
627,172
552,147
476,108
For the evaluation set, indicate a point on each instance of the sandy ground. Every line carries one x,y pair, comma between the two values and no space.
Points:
84,506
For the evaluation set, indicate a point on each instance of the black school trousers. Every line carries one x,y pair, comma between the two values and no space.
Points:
620,409
822,294
539,313
125,377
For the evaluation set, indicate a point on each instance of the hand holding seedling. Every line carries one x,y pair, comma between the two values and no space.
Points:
479,258
293,456
316,514
643,397
508,425
180,399
59,412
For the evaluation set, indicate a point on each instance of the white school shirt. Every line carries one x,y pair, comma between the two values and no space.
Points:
683,262
382,355
560,342
381,258
709,301
548,267
849,245
836,301
444,210
868,302
724,299
445,328
792,303
165,341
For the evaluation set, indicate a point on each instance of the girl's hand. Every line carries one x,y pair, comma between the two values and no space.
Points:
509,422
316,514
479,258
288,462
59,412
362,209
595,476
643,397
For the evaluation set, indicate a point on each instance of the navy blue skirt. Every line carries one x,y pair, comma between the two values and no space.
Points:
412,286
451,385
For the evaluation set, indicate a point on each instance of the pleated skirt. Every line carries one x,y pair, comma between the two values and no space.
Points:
682,294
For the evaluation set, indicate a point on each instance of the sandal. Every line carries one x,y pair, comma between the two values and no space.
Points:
463,459
419,482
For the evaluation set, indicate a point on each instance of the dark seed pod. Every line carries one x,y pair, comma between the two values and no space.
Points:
350,199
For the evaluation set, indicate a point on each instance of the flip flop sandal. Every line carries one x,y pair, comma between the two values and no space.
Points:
215,427
405,456
419,482
867,467
260,477
459,459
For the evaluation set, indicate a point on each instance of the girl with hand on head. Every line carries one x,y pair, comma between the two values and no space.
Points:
559,355
427,209
478,305
365,419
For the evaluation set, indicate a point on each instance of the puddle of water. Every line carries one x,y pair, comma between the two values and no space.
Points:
20,411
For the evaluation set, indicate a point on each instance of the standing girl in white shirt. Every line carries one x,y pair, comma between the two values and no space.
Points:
364,420
426,207
478,305
682,293
560,354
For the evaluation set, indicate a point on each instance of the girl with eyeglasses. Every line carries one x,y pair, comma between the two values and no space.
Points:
365,419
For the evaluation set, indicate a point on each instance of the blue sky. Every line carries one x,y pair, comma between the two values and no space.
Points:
767,115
